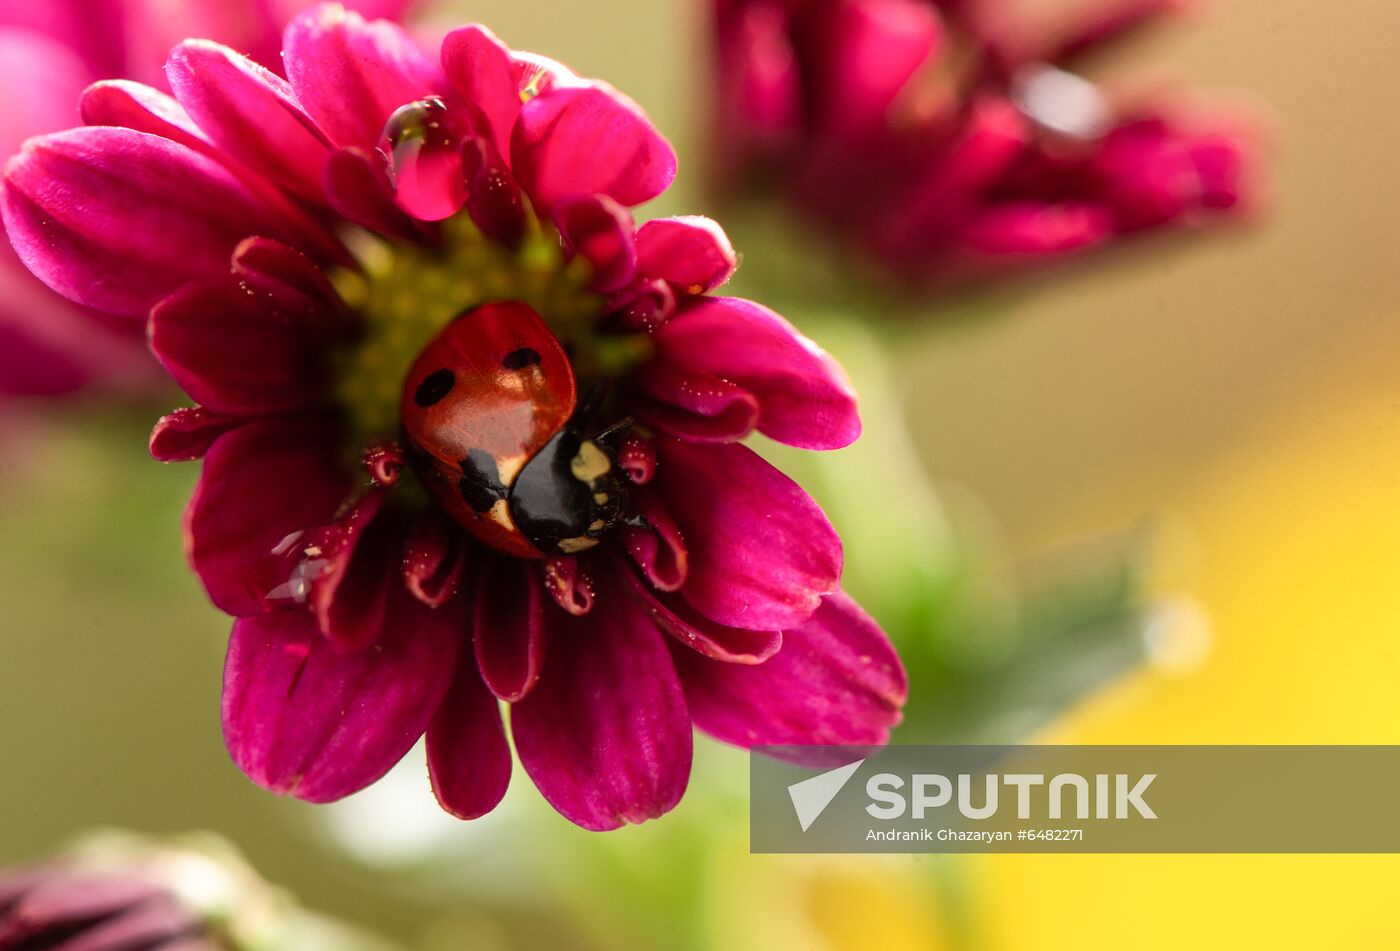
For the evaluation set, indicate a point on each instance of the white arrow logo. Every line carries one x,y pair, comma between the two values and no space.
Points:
811,796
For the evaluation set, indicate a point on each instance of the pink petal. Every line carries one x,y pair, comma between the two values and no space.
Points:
140,108
350,570
253,28
468,757
286,282
1223,163
837,680
656,546
50,346
358,187
992,136
232,353
384,462
636,456
93,33
1035,228
864,52
568,584
129,105
148,925
494,200
762,554
509,627
600,230
118,219
803,396
32,367
434,560
369,9
40,81
350,75
605,735
645,305
18,881
188,433
304,718
479,67
694,630
589,140
251,113
760,96
692,253
700,407
69,899
1151,173
264,485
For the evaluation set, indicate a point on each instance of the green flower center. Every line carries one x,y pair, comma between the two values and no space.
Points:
406,294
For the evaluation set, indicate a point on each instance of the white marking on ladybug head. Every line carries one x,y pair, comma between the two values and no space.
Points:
570,546
590,463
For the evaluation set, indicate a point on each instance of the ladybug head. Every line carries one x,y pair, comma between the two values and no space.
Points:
568,495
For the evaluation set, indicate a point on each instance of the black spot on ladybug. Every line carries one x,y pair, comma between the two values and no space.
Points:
434,387
481,484
520,359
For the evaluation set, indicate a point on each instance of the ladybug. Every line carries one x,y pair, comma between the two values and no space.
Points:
489,411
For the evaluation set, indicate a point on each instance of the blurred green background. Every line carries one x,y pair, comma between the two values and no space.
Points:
1165,507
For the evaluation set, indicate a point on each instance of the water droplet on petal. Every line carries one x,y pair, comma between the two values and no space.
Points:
424,144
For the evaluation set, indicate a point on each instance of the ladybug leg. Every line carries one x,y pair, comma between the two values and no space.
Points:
590,406
590,403
620,428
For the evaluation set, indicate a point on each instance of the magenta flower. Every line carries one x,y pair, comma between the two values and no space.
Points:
469,433
951,140
50,50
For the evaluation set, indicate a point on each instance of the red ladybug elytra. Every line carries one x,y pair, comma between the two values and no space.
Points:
486,411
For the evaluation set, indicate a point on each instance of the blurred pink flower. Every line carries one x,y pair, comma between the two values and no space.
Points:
50,50
952,140
117,891
58,906
580,534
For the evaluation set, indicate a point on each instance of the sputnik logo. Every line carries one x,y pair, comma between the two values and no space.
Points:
811,796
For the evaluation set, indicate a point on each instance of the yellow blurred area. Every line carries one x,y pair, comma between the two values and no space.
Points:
854,910
1291,549
827,903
